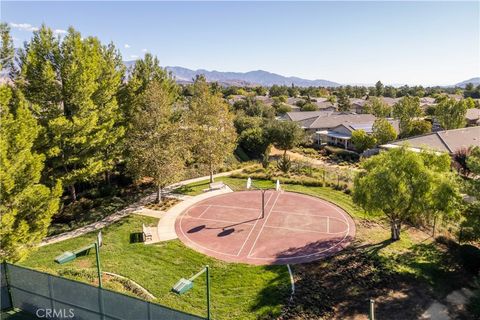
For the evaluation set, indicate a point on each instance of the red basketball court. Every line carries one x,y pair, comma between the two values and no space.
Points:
296,228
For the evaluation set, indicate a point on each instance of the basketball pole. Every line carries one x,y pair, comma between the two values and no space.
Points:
263,204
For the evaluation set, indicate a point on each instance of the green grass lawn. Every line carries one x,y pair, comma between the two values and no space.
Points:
238,291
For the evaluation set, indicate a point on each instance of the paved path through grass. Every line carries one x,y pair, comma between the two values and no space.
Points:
125,212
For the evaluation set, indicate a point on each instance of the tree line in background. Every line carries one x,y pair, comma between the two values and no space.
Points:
75,120
70,118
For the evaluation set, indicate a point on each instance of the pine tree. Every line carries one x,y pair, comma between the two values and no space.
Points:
156,141
141,75
26,206
211,127
7,52
343,101
74,83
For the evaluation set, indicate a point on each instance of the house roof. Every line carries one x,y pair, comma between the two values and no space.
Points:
367,126
472,114
302,115
442,141
334,119
327,119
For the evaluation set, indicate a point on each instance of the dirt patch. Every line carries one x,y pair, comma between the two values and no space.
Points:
164,205
340,288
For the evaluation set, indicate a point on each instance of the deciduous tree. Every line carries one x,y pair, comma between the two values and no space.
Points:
157,140
211,127
383,131
362,141
406,110
451,114
402,184
377,107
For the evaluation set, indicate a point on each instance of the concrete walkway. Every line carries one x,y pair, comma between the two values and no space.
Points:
454,304
137,206
166,225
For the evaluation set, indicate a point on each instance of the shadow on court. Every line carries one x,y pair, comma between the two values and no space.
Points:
226,230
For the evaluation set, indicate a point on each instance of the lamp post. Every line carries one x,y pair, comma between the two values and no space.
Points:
183,285
68,256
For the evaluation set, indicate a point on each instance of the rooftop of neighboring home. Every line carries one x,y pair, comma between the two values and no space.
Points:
441,141
315,120
346,129
472,114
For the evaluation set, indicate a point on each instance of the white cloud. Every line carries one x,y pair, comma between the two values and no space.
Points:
144,50
127,46
59,31
23,26
134,56
30,28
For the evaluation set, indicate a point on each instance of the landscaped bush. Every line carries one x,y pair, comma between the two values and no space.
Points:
470,258
343,154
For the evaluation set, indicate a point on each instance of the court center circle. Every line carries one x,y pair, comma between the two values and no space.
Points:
293,228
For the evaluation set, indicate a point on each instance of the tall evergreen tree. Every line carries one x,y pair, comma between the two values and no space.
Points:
26,205
344,104
379,89
7,52
74,84
142,73
212,131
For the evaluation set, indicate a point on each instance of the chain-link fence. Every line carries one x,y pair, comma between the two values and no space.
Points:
54,297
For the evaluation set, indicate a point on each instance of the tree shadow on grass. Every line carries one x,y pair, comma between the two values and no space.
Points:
340,286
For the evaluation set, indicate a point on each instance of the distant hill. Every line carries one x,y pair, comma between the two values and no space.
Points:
258,77
474,81
251,78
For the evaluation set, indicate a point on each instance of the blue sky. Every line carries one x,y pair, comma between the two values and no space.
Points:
348,42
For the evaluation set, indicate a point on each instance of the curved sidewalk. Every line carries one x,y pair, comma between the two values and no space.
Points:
166,225
114,217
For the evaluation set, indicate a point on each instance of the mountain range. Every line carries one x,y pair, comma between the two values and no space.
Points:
474,81
258,77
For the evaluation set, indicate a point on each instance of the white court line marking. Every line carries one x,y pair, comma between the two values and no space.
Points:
232,207
304,230
222,221
315,253
197,244
204,211
277,258
263,226
248,236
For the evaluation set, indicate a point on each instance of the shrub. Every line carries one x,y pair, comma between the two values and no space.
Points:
342,153
470,258
240,153
284,164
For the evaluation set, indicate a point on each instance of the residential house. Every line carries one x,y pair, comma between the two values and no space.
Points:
448,141
313,121
341,135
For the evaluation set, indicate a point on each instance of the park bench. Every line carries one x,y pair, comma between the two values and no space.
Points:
147,236
215,186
